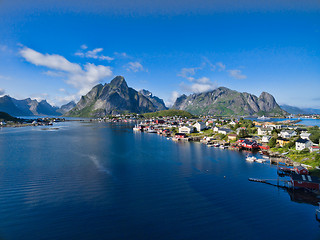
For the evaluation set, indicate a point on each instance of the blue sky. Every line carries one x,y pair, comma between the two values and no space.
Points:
58,50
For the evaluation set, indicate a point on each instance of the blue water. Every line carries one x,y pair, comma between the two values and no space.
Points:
102,181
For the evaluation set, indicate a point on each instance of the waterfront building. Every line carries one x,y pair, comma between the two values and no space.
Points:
185,129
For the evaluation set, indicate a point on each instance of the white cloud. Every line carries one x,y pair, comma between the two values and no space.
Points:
83,46
134,67
235,73
188,73
203,80
172,99
81,78
198,87
95,54
2,92
53,61
221,66
123,54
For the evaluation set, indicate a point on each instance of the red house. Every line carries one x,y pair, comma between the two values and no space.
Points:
305,181
159,121
180,135
301,170
250,144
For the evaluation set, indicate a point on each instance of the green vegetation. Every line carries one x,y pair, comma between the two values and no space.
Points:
6,117
315,134
305,157
169,113
272,143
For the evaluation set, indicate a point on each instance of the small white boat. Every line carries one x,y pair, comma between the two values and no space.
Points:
263,118
265,157
216,145
260,160
222,146
250,159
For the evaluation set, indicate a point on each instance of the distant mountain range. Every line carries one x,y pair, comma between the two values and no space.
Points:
29,107
296,110
117,98
226,102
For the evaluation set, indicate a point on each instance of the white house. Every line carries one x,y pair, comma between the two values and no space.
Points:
264,130
276,126
185,129
305,135
287,133
265,138
302,144
199,126
215,129
224,131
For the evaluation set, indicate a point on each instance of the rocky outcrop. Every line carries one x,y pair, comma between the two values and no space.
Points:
226,102
113,98
157,102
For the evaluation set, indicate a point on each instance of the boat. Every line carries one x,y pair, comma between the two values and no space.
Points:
222,147
263,118
151,130
265,157
216,145
136,128
260,160
250,159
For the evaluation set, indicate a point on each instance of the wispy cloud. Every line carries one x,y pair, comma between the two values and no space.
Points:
221,66
2,92
237,74
121,54
172,99
134,67
198,87
81,78
95,54
188,73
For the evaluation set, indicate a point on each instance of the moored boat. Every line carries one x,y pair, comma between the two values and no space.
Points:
250,159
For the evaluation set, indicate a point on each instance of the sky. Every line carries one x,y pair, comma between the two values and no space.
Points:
58,50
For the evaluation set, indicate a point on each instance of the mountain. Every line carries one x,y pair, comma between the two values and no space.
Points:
26,107
297,110
157,102
8,106
113,98
6,117
66,107
226,102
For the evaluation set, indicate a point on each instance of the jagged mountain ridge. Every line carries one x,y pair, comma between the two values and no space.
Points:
112,98
157,102
66,107
27,107
226,102
297,110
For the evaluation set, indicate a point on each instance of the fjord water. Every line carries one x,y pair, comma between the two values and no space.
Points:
102,181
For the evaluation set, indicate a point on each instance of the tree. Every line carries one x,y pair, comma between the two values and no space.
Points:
272,143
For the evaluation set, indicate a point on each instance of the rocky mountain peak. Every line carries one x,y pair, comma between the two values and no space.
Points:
118,81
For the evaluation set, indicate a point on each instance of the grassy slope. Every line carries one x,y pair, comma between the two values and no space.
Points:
169,113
